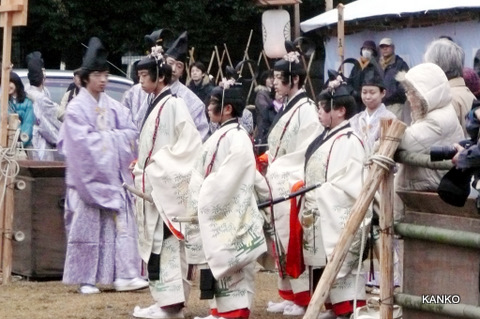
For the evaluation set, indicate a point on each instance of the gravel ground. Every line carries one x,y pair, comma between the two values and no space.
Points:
53,300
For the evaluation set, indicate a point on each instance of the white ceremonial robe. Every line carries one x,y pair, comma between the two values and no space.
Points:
299,124
337,164
368,127
230,226
172,143
47,126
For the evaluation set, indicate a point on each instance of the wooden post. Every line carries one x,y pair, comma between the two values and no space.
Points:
265,59
211,62
309,80
220,64
341,35
296,22
245,54
376,174
6,61
386,247
228,55
191,61
328,5
12,13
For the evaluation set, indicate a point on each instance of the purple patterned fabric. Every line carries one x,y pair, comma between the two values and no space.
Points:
98,141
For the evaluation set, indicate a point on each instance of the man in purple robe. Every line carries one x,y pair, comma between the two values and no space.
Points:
98,140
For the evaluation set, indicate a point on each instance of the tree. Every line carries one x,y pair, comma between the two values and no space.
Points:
58,28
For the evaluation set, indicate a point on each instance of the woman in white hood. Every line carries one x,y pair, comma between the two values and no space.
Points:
434,123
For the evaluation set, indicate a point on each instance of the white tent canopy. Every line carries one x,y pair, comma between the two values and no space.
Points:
372,8
410,42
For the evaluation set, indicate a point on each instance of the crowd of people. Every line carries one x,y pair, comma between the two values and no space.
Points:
173,175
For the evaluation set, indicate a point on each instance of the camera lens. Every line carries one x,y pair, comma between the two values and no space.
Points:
440,153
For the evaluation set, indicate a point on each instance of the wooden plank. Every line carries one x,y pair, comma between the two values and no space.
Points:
19,10
430,202
11,8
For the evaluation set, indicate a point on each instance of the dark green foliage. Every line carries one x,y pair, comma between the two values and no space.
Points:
58,28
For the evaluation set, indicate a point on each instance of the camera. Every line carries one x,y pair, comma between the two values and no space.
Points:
440,153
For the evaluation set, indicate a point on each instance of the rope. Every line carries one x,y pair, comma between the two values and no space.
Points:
384,162
387,164
7,160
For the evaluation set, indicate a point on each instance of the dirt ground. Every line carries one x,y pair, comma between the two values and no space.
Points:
53,300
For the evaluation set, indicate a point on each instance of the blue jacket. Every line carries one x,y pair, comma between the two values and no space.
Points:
26,116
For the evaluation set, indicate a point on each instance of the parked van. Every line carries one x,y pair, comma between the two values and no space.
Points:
57,82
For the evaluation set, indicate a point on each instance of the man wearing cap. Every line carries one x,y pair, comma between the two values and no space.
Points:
176,57
46,127
230,226
168,146
135,98
391,64
294,127
98,141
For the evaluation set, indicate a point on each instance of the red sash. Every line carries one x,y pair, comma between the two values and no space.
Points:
295,265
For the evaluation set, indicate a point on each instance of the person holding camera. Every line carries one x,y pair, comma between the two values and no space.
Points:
434,123
468,156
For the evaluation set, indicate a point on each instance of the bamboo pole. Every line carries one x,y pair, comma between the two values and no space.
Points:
220,64
265,59
451,310
309,80
245,53
386,247
191,61
388,146
341,35
228,55
211,62
421,160
439,235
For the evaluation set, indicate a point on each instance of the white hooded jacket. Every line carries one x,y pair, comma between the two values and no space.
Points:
439,126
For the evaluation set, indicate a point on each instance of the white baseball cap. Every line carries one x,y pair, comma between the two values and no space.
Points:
385,41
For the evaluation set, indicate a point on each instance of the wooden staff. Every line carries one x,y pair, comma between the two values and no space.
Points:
341,35
388,146
211,62
265,59
309,80
251,84
245,53
138,193
190,62
220,63
228,55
